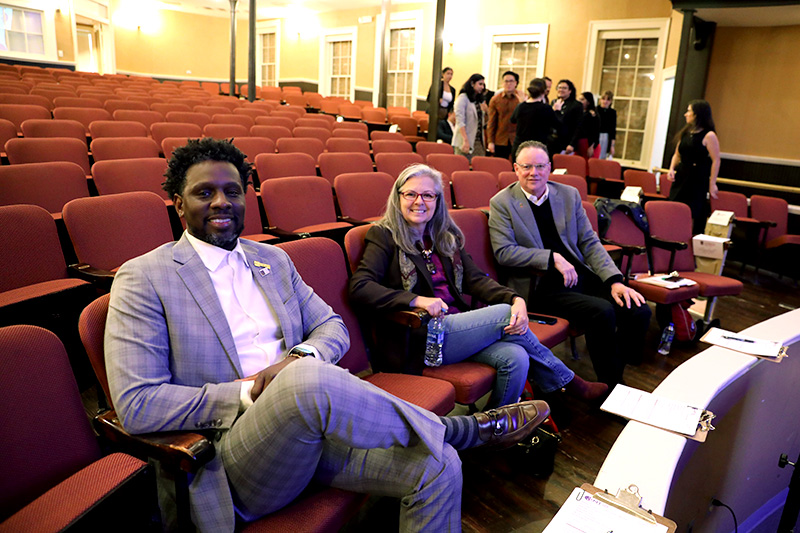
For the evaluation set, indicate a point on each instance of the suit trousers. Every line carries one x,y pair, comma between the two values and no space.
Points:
614,334
317,422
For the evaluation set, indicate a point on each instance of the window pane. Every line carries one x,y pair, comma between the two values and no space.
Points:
647,56
620,144
638,114
644,83
33,22
16,41
630,52
622,113
506,54
35,44
633,147
520,53
611,56
608,80
625,82
17,21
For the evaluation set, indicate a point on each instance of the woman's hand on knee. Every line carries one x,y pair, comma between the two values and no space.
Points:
518,323
432,306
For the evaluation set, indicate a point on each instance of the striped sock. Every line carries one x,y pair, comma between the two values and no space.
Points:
461,432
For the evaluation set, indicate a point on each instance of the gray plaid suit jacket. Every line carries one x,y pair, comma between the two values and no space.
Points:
517,243
171,359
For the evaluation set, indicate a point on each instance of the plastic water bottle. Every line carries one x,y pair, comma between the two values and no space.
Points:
433,348
666,339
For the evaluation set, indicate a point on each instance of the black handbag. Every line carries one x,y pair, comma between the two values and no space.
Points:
537,453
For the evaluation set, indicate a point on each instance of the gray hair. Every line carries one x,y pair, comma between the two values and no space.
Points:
531,144
446,236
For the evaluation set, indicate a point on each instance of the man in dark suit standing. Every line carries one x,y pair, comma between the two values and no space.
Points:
540,232
214,332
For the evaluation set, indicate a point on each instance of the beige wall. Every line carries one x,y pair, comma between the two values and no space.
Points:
752,89
201,44
180,42
568,24
64,37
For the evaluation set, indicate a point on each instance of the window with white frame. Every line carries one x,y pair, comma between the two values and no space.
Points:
519,48
268,53
626,58
269,60
401,68
337,63
22,30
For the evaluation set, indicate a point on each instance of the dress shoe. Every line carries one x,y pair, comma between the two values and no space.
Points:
505,426
586,390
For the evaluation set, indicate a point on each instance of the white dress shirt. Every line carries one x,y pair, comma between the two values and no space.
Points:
254,324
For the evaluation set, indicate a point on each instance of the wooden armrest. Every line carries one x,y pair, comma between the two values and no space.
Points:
285,235
176,450
98,276
353,221
627,249
411,319
668,245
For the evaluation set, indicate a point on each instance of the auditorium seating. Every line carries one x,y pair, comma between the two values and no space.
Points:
42,150
448,163
331,164
345,144
19,113
670,223
106,148
162,130
270,132
84,115
304,145
323,134
394,163
47,185
777,237
39,127
473,188
117,176
225,131
391,146
573,181
108,230
253,146
362,195
271,166
117,128
493,165
301,205
574,164
645,180
55,476
201,119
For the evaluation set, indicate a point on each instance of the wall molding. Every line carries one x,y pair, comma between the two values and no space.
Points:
760,159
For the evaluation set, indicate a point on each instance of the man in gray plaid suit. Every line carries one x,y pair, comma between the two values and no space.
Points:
211,332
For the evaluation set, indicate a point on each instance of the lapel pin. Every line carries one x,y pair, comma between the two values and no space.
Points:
264,267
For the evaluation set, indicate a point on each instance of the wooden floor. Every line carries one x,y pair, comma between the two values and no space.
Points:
501,496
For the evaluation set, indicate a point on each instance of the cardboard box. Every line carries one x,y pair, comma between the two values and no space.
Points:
710,246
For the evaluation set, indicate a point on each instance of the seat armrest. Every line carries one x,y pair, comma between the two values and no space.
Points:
353,221
98,276
175,450
627,249
410,319
283,234
673,246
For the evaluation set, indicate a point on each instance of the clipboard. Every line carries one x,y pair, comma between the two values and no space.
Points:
628,501
589,508
703,422
740,343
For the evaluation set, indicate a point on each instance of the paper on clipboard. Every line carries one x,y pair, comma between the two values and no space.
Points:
582,513
653,410
743,343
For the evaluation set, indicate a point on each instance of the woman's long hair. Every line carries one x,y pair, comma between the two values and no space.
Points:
468,89
702,119
446,236
589,101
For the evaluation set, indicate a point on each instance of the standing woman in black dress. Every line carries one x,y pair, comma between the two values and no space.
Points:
695,164
534,118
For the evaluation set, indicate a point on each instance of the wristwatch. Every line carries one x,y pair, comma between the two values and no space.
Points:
300,352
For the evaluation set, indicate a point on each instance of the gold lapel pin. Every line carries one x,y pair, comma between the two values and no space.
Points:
265,268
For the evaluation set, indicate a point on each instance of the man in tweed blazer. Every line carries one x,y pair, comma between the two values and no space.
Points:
553,257
173,364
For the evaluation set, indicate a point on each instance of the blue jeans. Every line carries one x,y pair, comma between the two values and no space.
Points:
478,336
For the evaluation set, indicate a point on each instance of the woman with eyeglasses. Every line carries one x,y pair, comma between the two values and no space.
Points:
414,259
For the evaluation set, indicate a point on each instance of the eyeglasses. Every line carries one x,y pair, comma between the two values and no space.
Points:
411,196
543,166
